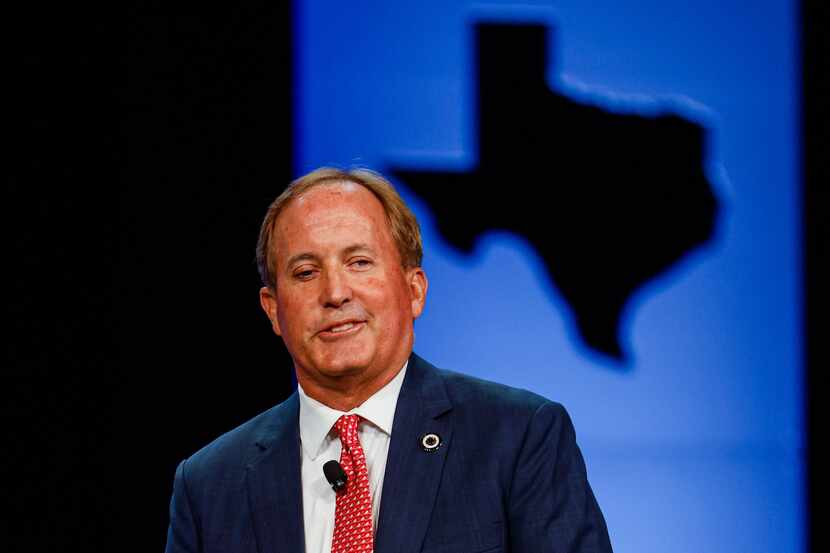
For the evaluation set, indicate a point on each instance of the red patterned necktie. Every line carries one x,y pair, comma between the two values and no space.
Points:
353,512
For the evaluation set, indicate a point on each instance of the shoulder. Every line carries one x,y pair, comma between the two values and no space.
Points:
501,427
469,392
233,450
464,389
483,403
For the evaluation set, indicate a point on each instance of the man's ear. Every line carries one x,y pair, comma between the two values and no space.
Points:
416,278
268,301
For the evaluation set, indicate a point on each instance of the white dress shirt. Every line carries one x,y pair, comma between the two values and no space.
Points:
320,445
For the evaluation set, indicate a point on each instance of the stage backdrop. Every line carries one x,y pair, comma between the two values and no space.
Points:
608,194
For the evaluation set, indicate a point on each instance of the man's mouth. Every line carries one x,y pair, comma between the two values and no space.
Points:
341,328
344,328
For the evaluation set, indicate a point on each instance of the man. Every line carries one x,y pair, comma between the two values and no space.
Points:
433,461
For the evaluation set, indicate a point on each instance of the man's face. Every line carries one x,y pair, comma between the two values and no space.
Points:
343,304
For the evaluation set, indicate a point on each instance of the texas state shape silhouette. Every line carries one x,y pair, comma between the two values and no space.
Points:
608,200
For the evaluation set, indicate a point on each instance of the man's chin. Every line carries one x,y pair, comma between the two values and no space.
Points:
342,367
342,371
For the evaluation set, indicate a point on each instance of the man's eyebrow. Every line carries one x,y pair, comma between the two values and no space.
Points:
305,256
308,256
357,248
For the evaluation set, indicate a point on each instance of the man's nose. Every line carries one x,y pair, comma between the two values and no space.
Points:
336,289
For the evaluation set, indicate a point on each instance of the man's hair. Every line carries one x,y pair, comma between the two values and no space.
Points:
402,222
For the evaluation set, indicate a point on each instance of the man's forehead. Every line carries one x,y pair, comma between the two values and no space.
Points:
344,200
331,214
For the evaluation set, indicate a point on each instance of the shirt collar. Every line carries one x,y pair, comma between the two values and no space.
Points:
316,419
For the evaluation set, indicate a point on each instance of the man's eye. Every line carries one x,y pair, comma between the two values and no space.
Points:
361,263
304,275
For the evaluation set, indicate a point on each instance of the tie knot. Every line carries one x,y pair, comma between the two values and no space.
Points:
347,429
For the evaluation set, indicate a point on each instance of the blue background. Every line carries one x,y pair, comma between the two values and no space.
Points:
697,445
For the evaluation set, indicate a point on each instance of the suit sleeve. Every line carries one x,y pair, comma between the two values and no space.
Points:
551,505
183,532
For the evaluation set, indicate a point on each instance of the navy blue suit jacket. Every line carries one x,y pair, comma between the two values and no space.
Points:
508,476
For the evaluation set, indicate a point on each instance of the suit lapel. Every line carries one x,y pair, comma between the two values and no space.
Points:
413,475
274,483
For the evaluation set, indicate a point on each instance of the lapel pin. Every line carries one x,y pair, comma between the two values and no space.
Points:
430,442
